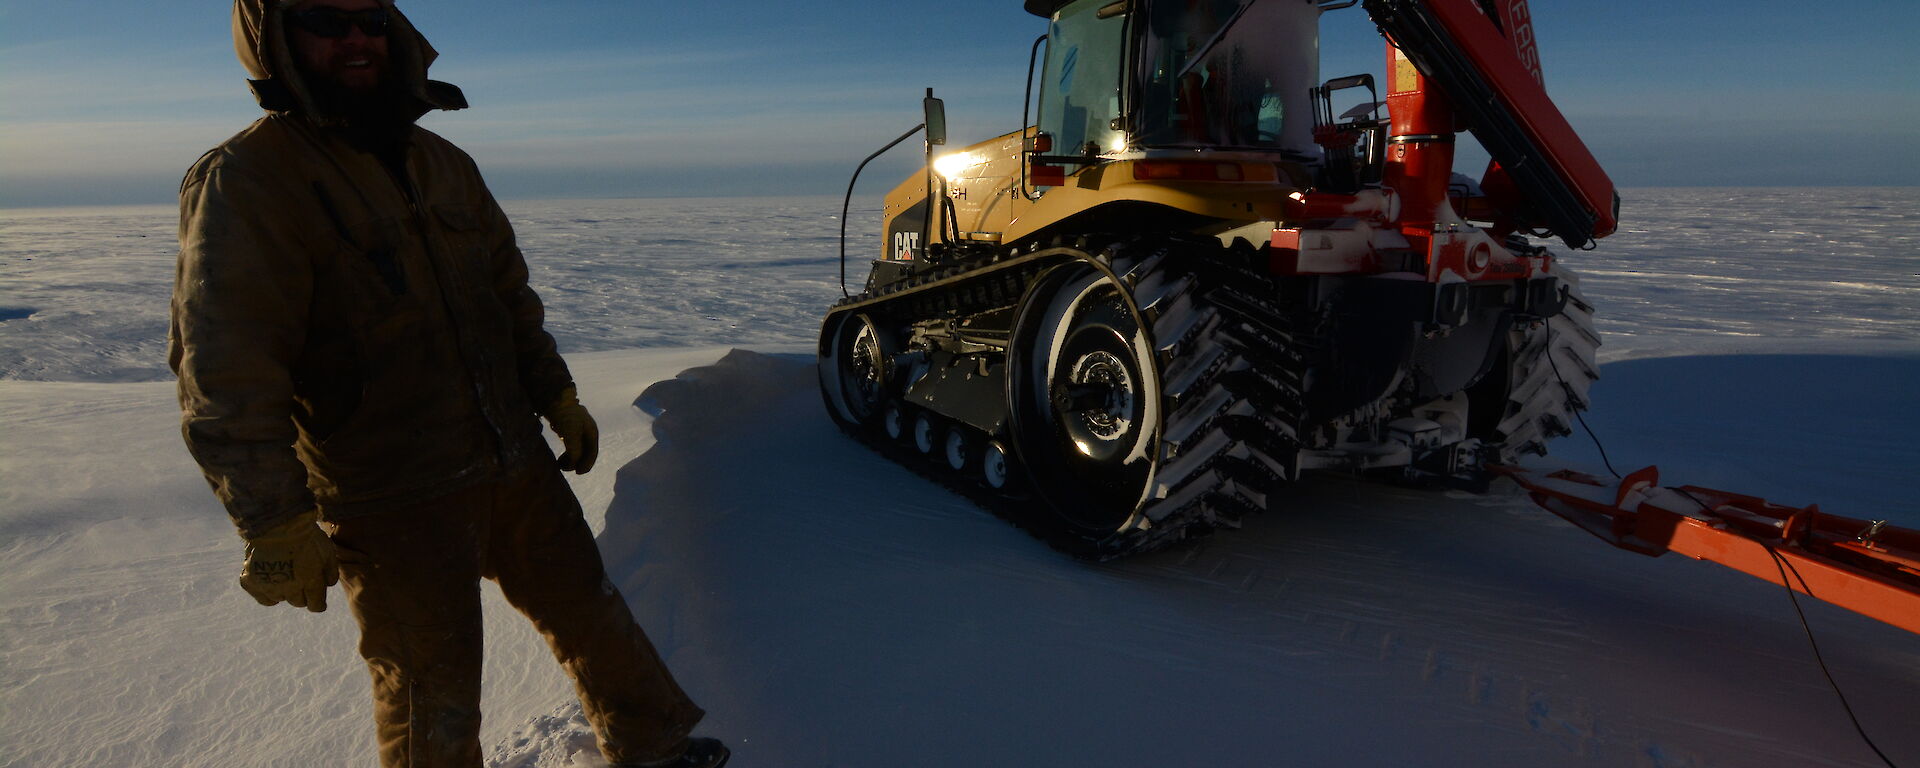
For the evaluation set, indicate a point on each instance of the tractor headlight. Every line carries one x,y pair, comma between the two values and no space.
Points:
951,166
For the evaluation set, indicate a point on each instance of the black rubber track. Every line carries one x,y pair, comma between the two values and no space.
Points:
1230,374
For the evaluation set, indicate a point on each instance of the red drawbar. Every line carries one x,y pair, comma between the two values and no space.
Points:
1866,567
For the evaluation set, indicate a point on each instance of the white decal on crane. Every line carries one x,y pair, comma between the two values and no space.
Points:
1523,42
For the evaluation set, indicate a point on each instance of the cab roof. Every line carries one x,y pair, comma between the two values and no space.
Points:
1045,8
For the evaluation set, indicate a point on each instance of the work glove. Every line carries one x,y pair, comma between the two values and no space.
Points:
293,561
578,434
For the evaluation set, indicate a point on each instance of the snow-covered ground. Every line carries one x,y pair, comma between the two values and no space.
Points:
830,609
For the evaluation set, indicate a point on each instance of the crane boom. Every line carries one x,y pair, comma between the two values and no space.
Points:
1499,95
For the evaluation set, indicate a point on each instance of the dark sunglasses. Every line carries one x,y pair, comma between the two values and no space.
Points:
330,22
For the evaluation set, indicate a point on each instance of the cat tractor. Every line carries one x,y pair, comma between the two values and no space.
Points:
1192,278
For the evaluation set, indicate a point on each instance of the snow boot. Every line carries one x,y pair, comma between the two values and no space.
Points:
701,753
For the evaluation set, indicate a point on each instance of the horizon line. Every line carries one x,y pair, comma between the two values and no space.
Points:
565,198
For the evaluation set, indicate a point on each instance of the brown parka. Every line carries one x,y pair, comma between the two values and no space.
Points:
348,336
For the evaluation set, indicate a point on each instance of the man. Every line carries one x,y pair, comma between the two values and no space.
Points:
358,349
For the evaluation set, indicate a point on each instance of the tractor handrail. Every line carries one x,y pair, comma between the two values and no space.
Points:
847,203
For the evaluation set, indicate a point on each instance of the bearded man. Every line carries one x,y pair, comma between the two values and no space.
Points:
362,372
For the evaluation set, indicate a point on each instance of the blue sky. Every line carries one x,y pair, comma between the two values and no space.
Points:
108,101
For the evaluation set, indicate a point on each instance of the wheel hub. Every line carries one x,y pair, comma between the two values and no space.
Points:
865,364
1102,394
1085,413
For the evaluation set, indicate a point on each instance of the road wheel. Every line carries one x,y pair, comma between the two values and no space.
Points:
925,433
893,420
994,467
958,446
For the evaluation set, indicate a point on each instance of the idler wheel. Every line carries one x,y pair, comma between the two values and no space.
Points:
854,370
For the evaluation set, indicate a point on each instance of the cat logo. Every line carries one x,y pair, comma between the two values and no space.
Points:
905,245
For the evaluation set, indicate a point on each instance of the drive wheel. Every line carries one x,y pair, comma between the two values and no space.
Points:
1085,402
854,370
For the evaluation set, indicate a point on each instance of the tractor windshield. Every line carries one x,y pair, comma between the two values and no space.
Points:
1227,74
1080,89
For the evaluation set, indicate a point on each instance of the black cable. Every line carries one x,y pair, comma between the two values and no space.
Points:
844,204
1781,564
1025,102
1576,411
926,222
1778,562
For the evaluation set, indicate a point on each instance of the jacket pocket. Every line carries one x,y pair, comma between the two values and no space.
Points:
459,218
379,233
328,395
371,268
462,246
387,264
387,322
460,225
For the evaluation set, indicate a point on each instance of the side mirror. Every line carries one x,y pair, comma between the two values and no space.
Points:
936,119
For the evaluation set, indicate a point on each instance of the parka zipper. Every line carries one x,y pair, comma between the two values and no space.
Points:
477,356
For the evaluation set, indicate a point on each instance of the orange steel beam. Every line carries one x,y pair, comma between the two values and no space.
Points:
1867,567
